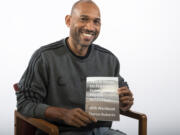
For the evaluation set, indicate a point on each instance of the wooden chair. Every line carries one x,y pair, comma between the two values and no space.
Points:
28,126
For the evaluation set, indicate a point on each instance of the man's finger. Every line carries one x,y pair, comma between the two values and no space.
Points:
79,122
127,107
125,93
82,117
91,118
124,98
126,102
123,88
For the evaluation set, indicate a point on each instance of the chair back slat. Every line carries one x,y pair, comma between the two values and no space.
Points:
15,86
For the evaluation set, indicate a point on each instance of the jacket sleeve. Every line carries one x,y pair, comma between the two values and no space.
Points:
117,73
33,88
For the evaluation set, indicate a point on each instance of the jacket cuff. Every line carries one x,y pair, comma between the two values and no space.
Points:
40,111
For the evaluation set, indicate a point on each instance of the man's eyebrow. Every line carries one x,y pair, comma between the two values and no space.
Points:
98,18
84,16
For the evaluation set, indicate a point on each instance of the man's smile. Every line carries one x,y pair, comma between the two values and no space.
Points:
88,35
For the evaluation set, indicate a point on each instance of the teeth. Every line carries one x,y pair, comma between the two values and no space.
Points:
88,35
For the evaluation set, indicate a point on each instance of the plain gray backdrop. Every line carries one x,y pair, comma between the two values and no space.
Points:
143,34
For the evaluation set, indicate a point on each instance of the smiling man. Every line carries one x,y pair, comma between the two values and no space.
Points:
84,23
54,85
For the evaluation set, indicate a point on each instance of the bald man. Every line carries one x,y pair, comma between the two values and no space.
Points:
53,86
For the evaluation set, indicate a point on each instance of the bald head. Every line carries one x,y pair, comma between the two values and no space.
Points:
81,3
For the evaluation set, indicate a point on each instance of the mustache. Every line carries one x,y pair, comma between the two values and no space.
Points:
89,31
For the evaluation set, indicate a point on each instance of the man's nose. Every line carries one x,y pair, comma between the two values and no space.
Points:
90,26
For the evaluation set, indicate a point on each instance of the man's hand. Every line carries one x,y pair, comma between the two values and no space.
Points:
125,98
73,117
77,117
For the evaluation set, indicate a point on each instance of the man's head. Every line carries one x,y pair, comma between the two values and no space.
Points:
84,22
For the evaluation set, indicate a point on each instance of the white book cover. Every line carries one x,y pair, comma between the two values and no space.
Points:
102,99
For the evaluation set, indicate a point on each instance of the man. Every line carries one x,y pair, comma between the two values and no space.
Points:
53,86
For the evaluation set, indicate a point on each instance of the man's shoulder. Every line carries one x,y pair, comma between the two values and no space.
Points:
52,46
49,49
102,50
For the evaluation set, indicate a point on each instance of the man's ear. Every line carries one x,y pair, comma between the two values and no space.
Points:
68,20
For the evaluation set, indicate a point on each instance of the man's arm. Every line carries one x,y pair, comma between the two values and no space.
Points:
33,88
33,91
125,95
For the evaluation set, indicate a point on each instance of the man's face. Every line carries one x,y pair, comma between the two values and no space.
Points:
85,24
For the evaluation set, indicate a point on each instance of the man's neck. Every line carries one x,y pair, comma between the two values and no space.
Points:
79,50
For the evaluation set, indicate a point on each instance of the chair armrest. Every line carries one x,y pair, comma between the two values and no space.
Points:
133,114
142,118
45,126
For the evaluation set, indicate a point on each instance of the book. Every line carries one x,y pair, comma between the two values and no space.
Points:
102,99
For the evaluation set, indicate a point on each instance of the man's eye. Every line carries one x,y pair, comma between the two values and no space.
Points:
84,19
97,22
